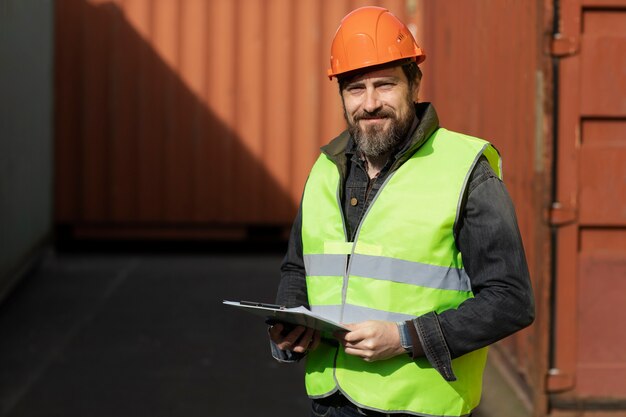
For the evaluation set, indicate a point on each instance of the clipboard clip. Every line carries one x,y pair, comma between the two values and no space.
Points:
256,304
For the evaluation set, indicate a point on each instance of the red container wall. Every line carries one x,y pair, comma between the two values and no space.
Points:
175,118
488,75
589,368
191,112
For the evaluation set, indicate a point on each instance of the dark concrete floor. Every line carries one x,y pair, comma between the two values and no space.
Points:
90,335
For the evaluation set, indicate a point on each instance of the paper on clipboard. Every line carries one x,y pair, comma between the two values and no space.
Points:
297,315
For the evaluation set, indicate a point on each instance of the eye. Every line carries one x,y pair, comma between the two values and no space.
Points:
385,86
355,89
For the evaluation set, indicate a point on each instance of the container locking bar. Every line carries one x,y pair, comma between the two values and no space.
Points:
562,215
562,47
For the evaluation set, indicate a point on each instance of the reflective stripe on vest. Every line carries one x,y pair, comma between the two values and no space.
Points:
390,269
403,263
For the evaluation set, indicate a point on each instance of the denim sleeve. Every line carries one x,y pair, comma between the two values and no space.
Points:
292,288
285,356
493,257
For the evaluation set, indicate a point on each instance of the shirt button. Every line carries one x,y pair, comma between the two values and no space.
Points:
354,201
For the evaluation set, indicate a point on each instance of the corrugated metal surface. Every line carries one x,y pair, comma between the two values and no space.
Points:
488,76
194,112
494,60
589,359
177,117
25,133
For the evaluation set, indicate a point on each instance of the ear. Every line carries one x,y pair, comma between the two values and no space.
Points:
416,90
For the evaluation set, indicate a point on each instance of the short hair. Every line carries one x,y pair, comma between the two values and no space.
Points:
412,72
409,67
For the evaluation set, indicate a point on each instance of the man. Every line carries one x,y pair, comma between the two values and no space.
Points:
407,234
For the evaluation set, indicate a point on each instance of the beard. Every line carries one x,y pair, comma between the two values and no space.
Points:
377,140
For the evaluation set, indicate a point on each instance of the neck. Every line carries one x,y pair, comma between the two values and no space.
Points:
375,164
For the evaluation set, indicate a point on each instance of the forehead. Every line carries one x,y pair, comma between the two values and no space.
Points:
389,72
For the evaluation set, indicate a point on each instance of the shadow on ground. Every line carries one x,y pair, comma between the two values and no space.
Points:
147,335
143,335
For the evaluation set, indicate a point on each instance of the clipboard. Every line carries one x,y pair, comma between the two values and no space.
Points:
301,316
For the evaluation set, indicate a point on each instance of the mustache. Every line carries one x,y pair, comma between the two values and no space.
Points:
378,114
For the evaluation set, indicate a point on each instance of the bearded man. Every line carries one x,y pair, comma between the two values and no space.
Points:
407,235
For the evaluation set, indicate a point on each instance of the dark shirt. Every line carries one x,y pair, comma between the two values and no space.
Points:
488,238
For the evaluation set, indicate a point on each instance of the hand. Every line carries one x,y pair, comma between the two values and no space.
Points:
372,340
300,339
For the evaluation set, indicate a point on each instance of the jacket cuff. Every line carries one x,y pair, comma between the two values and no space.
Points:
416,352
285,356
434,344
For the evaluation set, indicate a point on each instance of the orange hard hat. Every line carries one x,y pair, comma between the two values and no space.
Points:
371,36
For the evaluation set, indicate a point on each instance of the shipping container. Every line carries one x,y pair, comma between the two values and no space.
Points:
489,75
546,83
201,119
588,362
191,119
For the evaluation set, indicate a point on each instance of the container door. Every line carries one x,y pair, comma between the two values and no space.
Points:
589,358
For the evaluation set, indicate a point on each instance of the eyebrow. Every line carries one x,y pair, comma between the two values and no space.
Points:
378,80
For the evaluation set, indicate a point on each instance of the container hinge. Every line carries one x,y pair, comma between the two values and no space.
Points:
561,215
564,46
557,381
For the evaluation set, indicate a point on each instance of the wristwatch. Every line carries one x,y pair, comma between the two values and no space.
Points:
405,337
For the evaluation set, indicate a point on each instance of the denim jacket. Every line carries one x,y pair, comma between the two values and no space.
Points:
486,234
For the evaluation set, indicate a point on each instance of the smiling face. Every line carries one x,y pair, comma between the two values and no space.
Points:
378,107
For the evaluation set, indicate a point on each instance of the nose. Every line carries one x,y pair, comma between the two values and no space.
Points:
372,100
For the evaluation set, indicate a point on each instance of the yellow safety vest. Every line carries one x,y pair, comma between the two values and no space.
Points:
403,263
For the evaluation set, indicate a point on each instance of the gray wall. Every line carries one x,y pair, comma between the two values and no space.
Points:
26,147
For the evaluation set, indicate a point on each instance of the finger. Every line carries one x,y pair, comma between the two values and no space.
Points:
366,355
275,333
342,335
355,336
317,337
364,330
307,336
360,345
293,336
304,341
